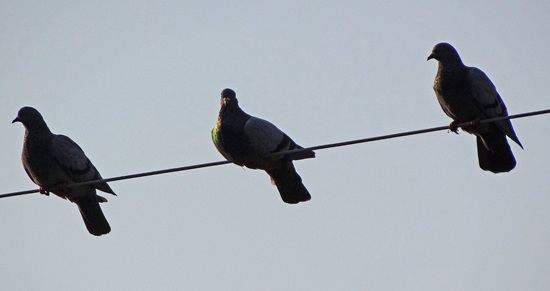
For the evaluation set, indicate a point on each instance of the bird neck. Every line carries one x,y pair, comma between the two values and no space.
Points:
37,142
230,111
39,127
231,119
38,131
451,74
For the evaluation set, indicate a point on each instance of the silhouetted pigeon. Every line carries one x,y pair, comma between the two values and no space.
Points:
53,161
248,141
467,95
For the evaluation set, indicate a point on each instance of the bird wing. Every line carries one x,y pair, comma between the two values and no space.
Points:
72,160
488,101
485,95
264,137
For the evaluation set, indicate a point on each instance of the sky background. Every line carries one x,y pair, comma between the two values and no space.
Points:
136,84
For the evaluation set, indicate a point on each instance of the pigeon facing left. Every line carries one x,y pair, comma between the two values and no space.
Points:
248,141
467,95
53,161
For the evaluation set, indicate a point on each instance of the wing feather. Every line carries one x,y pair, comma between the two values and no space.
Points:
488,101
72,160
264,137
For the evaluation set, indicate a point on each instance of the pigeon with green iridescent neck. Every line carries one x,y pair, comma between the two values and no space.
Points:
252,142
466,94
53,161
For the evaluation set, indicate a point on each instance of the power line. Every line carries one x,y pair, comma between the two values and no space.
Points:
414,132
319,147
126,177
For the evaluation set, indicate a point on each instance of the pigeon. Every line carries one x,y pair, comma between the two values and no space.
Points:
467,95
53,161
248,141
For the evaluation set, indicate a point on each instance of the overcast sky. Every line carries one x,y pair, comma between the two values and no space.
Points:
136,84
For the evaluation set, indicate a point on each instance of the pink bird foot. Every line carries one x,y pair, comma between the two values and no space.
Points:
453,126
43,191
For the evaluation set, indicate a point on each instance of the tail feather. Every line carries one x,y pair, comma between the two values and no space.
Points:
289,184
95,221
494,153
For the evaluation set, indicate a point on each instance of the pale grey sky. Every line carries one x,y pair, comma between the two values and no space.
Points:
136,84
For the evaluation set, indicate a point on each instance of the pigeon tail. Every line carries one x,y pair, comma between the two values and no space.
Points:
95,221
289,184
494,153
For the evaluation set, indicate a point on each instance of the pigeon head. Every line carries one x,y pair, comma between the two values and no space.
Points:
229,98
446,53
30,118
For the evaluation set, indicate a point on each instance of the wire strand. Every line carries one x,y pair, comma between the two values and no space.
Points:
318,147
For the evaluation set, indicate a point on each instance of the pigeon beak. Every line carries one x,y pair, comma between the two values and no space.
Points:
16,120
432,56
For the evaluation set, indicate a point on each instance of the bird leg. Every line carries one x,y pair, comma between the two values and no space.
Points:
453,126
43,190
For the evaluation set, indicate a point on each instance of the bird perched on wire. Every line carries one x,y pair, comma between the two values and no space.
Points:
467,95
253,142
53,161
